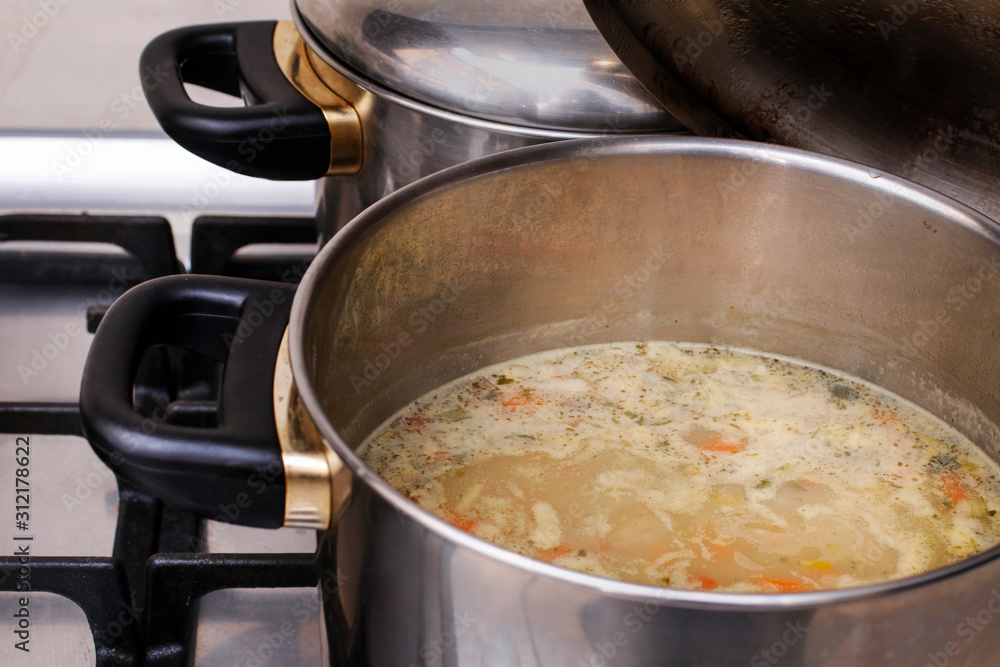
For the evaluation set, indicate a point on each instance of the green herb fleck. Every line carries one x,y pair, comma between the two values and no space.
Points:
504,380
453,415
635,416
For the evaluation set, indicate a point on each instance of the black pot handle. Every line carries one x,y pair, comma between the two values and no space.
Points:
232,471
280,134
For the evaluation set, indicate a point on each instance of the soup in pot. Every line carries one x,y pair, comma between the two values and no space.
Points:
693,467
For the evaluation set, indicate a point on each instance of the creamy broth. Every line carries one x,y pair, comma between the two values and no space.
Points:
693,467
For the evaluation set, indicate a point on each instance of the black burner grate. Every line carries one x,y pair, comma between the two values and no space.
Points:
139,603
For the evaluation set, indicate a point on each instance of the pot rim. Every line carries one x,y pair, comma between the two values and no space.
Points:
898,188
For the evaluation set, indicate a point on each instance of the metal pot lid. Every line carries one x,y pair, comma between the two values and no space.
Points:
911,87
534,63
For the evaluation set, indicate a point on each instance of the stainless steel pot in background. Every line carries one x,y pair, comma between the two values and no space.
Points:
907,86
701,240
374,94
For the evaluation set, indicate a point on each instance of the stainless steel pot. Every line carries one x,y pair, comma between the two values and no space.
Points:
907,86
578,242
374,94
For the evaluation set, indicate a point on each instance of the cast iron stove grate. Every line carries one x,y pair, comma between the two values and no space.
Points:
140,601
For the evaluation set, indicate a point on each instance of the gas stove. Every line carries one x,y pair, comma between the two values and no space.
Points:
93,571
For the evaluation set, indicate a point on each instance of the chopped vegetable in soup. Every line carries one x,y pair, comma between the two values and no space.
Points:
696,468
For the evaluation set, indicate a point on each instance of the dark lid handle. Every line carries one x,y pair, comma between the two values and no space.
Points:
279,134
232,471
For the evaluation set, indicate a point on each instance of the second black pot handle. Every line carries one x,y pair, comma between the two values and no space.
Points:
279,134
233,471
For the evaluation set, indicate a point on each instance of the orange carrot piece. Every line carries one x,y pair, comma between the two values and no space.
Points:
462,523
720,444
705,583
784,585
549,555
953,488
516,401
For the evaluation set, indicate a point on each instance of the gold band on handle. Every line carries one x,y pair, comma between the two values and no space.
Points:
333,94
310,464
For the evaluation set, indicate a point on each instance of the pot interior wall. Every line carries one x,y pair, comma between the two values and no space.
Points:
694,240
